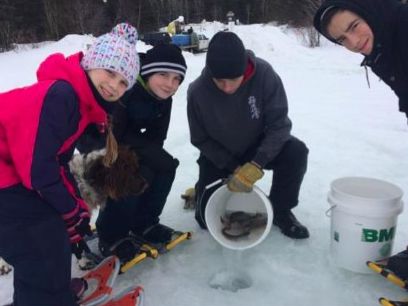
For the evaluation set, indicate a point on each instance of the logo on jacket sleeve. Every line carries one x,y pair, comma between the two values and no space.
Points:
255,114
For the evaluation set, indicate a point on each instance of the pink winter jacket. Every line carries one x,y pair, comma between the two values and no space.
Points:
20,117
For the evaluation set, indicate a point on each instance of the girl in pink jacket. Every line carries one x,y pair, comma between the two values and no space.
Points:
41,212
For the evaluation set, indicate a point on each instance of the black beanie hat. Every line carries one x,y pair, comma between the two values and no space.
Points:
226,56
163,57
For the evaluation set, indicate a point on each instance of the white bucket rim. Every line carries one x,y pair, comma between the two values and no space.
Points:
366,197
239,244
363,211
338,193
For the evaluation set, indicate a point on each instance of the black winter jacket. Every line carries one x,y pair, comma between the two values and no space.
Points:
142,120
388,20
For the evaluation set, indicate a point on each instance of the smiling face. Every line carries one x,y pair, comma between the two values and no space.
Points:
164,84
352,32
109,84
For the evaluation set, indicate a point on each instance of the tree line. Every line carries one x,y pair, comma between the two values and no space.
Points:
28,21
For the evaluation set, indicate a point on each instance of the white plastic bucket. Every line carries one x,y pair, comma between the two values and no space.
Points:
364,214
223,201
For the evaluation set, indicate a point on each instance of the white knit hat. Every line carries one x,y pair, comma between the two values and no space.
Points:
115,51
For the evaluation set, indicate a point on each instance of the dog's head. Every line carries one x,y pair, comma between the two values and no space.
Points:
97,182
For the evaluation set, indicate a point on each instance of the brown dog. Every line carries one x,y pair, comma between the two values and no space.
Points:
96,181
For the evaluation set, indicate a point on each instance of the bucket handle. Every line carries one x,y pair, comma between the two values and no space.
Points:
328,212
200,212
219,181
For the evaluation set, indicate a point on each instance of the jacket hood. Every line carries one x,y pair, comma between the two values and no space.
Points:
59,67
377,13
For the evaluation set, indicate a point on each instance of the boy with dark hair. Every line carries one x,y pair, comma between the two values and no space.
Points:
378,29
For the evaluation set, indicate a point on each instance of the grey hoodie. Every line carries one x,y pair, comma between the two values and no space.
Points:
225,126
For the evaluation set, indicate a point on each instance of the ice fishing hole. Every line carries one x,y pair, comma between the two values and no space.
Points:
230,281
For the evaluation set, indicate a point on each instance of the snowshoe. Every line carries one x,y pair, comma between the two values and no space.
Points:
132,296
177,238
135,248
381,268
386,302
99,282
129,250
162,237
189,198
145,252
153,249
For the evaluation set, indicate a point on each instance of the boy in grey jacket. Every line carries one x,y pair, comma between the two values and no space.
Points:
237,112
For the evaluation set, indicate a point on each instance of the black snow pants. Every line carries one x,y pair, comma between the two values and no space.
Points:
34,240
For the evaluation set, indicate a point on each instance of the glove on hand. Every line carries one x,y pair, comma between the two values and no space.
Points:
77,222
244,178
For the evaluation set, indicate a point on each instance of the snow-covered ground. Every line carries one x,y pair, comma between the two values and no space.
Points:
350,129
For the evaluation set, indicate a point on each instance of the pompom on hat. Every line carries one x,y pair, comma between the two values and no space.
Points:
115,51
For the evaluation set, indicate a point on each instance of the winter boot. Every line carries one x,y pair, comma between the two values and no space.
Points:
125,249
158,234
290,226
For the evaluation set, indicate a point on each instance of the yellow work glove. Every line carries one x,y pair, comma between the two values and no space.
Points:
244,178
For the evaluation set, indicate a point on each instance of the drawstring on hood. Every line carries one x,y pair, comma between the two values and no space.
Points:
367,78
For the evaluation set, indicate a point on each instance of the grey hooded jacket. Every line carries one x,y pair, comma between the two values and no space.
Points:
225,126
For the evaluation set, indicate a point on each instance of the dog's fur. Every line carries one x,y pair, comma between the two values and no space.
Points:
78,165
96,182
